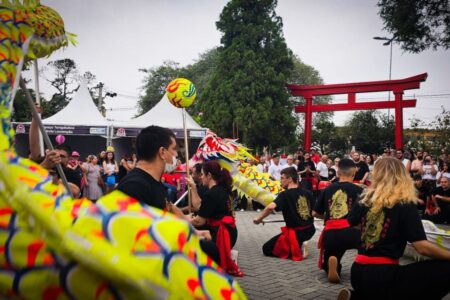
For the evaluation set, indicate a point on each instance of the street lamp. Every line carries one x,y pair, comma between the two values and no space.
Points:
388,41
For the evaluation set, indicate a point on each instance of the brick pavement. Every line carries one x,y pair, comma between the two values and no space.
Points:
274,278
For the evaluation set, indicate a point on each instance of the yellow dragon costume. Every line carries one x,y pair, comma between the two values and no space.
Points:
54,247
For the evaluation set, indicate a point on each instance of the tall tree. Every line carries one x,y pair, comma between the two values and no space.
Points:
63,79
247,89
417,24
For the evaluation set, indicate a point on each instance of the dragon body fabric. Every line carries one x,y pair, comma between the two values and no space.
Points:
55,247
247,180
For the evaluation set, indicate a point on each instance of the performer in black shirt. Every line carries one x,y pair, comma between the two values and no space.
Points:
296,204
333,205
307,171
216,213
156,154
389,219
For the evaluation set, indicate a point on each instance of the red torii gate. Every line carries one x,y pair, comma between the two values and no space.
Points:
351,89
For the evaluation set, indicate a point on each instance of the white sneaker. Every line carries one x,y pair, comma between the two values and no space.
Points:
234,255
242,209
258,210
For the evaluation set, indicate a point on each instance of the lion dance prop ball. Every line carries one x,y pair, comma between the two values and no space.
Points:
181,92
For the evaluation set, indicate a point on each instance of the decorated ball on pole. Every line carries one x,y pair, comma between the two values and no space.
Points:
181,92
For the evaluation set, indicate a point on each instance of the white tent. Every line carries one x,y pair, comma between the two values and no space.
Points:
162,114
81,111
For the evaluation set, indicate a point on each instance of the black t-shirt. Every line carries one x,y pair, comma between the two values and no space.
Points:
423,193
337,200
296,205
331,174
73,176
361,169
143,187
440,191
216,203
386,233
302,166
201,190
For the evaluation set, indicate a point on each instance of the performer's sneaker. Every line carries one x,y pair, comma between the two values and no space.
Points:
305,250
333,275
344,294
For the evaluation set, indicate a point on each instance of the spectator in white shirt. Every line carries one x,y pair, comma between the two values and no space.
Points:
290,162
322,168
275,168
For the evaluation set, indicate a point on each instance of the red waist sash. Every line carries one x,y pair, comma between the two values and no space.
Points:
330,224
375,260
223,244
287,243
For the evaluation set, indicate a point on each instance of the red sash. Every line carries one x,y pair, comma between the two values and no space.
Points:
375,260
223,244
287,243
330,224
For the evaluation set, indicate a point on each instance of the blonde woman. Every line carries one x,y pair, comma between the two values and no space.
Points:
389,219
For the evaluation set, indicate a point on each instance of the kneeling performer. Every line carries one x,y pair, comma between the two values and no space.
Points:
296,204
333,205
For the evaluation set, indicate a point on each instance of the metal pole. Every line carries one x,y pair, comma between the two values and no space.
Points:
100,100
47,141
186,151
38,101
390,73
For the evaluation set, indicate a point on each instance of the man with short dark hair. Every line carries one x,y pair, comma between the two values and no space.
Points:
423,194
296,204
156,151
362,169
441,199
333,205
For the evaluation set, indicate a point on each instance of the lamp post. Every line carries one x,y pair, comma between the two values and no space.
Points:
388,41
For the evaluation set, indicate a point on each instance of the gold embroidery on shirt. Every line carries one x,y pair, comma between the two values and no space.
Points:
303,208
374,226
338,207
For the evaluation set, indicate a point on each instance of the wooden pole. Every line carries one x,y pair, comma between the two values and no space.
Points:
186,151
47,141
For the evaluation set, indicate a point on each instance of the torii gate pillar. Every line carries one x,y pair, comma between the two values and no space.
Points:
395,86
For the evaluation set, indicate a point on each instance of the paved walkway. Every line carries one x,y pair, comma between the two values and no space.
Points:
274,278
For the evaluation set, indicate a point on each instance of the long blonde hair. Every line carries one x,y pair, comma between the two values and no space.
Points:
390,185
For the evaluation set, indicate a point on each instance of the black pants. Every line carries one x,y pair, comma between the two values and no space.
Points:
232,231
210,248
442,217
302,236
337,241
423,280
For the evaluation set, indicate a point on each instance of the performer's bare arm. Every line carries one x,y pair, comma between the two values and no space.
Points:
431,250
443,198
267,211
196,201
317,215
365,177
198,221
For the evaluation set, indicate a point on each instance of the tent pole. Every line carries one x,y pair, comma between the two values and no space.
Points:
47,141
186,150
38,101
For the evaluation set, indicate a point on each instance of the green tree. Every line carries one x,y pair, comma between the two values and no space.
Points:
247,88
417,24
441,127
155,83
362,131
64,74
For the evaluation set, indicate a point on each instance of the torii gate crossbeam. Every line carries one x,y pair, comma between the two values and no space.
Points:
351,89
